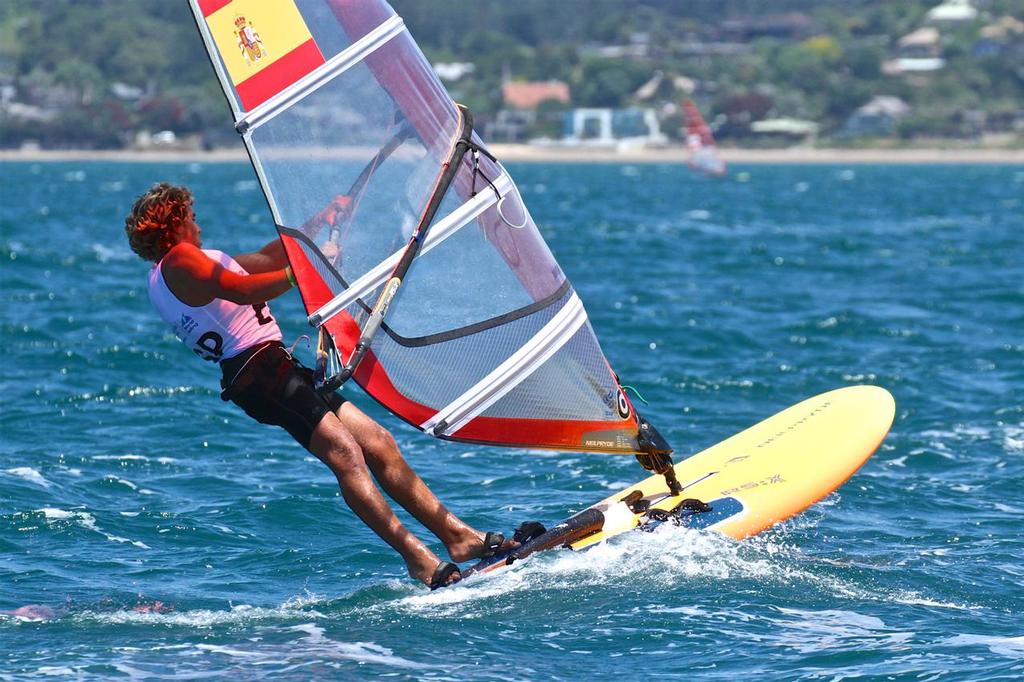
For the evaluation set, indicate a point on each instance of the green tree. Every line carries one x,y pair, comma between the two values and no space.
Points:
801,68
82,78
864,61
608,82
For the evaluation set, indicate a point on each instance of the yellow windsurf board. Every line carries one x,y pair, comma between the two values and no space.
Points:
746,483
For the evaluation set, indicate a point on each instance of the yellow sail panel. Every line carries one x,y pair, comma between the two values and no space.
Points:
265,46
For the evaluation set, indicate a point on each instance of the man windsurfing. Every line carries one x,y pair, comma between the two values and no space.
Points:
216,305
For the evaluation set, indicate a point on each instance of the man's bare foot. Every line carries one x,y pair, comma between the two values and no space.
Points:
422,567
437,574
476,545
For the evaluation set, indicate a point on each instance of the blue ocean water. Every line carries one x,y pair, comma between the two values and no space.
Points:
163,534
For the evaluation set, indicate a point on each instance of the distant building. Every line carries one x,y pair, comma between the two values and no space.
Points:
790,26
1004,28
952,11
126,92
878,117
530,94
519,117
792,129
897,67
664,86
28,112
639,47
1004,35
510,125
917,52
615,51
922,43
698,48
167,140
612,127
453,71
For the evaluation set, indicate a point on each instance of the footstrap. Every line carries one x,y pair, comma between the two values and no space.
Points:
442,574
492,543
528,530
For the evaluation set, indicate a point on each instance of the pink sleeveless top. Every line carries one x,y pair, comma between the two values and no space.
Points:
220,329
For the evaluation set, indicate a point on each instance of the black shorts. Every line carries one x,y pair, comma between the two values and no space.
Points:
273,388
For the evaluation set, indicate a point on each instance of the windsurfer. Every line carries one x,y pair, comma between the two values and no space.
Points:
217,306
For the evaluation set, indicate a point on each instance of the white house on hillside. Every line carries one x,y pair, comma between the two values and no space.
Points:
952,11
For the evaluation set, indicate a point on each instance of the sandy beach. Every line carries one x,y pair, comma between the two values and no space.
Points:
522,153
807,155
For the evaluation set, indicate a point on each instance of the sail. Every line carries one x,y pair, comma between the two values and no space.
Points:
700,142
363,156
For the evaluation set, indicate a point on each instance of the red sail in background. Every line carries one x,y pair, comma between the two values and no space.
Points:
700,142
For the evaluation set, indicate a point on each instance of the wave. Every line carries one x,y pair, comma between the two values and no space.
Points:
1011,647
670,558
55,517
29,474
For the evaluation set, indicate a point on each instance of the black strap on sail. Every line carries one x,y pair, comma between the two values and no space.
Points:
477,151
387,295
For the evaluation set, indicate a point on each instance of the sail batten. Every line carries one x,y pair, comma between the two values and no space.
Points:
510,373
486,341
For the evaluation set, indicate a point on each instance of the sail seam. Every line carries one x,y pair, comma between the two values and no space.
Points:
476,328
321,76
444,229
510,373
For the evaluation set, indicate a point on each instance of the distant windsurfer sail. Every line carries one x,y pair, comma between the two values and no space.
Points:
447,306
700,143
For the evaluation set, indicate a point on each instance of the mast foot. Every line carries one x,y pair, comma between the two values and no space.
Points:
656,455
661,463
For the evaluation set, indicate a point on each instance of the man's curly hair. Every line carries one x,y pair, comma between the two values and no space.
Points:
153,223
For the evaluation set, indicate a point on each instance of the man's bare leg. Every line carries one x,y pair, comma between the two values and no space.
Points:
405,487
334,446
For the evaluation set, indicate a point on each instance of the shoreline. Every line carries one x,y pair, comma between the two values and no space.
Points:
521,153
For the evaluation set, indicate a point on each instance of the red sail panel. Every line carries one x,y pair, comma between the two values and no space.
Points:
261,86
208,7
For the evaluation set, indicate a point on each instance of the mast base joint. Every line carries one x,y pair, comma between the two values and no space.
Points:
656,455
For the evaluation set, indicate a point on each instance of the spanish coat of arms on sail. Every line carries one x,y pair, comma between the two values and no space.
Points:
249,41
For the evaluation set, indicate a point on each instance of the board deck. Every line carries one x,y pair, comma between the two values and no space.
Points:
751,481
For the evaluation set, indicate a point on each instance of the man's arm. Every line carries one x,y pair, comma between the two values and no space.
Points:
196,279
271,257
337,211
